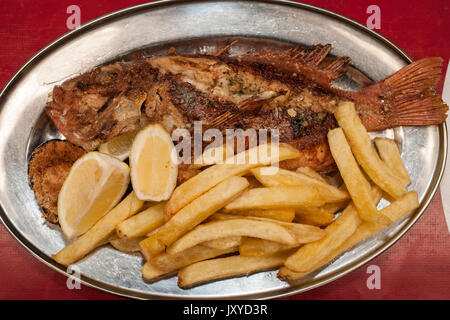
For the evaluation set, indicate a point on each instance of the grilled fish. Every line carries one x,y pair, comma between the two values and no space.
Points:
290,90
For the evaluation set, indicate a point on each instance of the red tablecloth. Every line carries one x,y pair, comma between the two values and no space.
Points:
416,267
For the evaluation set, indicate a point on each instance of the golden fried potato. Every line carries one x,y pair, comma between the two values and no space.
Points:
210,177
142,223
223,243
170,262
103,229
277,198
389,153
192,215
356,183
335,234
303,233
286,178
365,153
221,268
126,244
256,247
315,216
283,214
310,172
233,227
306,258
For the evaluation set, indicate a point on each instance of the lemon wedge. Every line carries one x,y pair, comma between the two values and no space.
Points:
95,184
119,147
153,163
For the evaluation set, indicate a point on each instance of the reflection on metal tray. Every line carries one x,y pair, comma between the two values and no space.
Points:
194,27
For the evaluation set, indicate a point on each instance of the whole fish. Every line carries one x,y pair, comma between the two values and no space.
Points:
290,90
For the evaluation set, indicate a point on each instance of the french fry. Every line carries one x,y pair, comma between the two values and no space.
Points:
399,208
356,183
167,262
103,229
302,232
310,172
287,274
338,234
286,215
394,211
335,206
221,268
314,216
306,258
255,247
210,177
364,230
389,153
215,155
276,198
152,274
224,243
288,178
126,244
192,215
107,240
142,223
233,227
365,153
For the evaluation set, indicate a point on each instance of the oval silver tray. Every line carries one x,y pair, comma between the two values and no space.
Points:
194,27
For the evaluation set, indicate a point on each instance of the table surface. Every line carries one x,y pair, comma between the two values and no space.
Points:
416,267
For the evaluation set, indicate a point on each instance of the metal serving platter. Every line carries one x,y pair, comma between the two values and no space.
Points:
193,27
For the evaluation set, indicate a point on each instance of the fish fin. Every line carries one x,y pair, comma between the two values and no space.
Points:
337,68
408,97
250,105
312,55
419,112
300,62
308,62
225,50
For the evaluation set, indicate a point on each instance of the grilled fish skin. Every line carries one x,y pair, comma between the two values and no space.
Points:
289,90
97,106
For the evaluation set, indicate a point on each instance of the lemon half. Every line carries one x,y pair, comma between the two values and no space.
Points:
119,146
95,184
153,164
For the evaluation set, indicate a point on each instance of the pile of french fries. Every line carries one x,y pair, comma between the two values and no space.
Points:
218,225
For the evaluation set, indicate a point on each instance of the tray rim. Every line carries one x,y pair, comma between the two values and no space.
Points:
276,293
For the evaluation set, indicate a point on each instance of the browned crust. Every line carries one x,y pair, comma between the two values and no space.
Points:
47,169
85,107
97,106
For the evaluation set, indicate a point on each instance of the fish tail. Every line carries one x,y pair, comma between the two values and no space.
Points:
408,97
